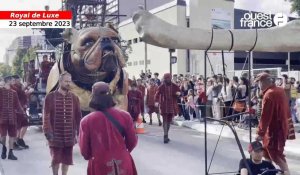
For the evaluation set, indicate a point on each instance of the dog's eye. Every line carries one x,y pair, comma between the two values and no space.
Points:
88,42
115,40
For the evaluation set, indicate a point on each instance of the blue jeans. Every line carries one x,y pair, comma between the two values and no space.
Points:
293,110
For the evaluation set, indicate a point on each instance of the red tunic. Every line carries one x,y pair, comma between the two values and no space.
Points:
143,91
101,143
21,118
21,94
135,103
150,99
61,117
168,98
9,106
151,91
45,70
273,125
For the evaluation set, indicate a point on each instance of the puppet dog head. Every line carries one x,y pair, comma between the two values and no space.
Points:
95,55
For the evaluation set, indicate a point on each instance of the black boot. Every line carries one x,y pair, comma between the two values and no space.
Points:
150,122
17,146
4,150
144,121
22,144
11,155
159,123
166,139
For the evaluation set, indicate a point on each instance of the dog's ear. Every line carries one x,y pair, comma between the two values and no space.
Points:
70,35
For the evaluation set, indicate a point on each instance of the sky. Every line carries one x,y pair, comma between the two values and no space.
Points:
8,35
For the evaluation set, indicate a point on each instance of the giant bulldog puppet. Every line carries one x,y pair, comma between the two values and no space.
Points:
92,55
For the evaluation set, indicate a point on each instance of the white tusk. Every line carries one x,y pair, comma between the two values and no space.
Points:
160,33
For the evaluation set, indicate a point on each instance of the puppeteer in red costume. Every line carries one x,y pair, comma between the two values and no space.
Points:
166,96
150,101
9,107
61,118
18,87
22,122
273,127
135,101
111,153
46,66
142,88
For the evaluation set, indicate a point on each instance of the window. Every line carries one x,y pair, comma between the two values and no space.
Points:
141,62
129,41
129,64
135,63
141,40
135,40
148,62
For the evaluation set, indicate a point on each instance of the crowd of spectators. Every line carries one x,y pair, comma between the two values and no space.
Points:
225,96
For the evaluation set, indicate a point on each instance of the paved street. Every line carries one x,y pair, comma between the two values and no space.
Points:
184,155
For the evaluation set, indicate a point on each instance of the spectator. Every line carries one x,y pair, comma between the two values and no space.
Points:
209,95
157,80
227,97
256,164
190,105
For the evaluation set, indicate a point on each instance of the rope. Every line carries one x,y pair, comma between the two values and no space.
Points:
224,72
256,36
211,40
212,69
232,40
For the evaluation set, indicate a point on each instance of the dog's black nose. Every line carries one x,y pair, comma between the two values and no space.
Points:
106,45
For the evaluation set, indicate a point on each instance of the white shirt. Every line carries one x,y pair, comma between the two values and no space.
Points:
209,93
228,95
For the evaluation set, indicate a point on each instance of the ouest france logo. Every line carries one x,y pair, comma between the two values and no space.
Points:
263,20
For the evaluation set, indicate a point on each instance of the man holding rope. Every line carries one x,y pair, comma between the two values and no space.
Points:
273,127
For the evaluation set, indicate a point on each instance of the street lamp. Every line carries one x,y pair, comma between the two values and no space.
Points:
146,49
173,59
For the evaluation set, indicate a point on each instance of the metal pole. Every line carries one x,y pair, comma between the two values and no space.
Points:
146,48
289,63
118,12
170,62
205,129
250,67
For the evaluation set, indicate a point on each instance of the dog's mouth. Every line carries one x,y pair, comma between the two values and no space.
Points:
109,64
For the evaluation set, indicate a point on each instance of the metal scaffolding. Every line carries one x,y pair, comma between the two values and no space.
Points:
93,13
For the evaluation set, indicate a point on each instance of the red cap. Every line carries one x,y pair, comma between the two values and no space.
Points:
262,76
167,76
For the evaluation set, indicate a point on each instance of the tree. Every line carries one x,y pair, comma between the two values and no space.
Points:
5,70
17,67
23,56
295,6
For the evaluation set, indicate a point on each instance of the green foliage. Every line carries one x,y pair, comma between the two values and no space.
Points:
17,68
23,56
295,6
5,70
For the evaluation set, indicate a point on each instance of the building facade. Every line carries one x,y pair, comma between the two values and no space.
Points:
158,59
204,14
